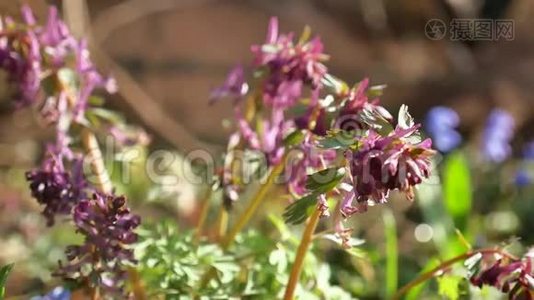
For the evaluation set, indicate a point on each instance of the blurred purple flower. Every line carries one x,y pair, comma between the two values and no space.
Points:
58,293
90,79
441,123
108,228
308,157
513,277
497,135
55,39
314,117
290,66
234,86
270,140
20,58
360,112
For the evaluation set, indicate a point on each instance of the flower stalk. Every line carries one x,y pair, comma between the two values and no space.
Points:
98,168
446,264
253,204
307,238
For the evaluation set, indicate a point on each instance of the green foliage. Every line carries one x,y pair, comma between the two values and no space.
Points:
172,265
324,180
297,212
337,139
294,138
449,286
4,272
317,183
392,254
457,191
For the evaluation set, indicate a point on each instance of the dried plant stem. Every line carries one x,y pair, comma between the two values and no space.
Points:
222,223
137,285
307,238
253,204
446,264
98,168
203,215
95,293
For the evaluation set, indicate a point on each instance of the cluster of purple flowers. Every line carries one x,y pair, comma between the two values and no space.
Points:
385,163
283,69
32,54
292,92
107,224
513,277
49,68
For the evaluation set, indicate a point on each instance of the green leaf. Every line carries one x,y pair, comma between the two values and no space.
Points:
376,91
107,115
4,272
335,84
294,138
353,242
448,286
392,254
457,191
339,139
96,101
297,212
325,180
69,78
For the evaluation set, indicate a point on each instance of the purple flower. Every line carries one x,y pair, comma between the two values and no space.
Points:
441,123
384,163
497,135
307,156
55,39
360,112
314,120
513,277
90,79
20,58
58,293
54,187
270,140
290,66
107,225
234,86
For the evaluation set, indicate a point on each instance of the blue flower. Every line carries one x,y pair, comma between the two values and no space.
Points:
440,124
58,293
498,133
522,178
528,151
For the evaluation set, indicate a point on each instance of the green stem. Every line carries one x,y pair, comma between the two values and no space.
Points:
253,205
444,265
307,238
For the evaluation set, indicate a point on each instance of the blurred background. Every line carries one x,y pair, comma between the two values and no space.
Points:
167,55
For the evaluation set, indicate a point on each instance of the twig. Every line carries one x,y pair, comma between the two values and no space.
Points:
254,203
307,238
444,265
